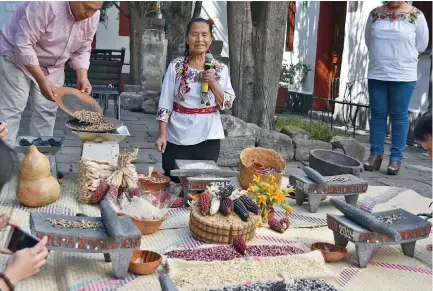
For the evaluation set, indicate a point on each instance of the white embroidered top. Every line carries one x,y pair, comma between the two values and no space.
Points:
191,129
394,42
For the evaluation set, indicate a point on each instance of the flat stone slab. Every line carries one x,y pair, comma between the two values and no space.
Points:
305,187
410,227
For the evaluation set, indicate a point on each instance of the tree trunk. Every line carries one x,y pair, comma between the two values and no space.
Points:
136,28
197,9
177,14
256,37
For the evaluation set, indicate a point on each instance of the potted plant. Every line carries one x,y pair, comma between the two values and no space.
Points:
266,192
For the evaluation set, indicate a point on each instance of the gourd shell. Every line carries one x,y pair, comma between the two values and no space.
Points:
37,193
35,165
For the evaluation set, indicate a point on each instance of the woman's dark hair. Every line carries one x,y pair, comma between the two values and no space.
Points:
423,127
8,163
187,52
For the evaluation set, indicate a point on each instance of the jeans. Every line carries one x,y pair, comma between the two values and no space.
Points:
389,98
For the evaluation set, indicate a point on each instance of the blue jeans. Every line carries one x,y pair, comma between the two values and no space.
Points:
389,98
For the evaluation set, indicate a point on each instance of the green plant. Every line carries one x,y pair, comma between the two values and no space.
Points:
316,130
292,76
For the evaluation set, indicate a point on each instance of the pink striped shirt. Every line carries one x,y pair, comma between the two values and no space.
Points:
45,33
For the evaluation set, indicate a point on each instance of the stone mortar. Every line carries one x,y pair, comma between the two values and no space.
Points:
330,163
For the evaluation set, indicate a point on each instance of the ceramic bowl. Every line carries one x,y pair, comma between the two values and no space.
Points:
144,262
330,252
148,226
148,185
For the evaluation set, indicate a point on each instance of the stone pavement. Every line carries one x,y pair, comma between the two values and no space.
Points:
415,174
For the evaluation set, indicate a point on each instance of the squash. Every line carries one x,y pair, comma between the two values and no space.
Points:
35,165
37,193
37,186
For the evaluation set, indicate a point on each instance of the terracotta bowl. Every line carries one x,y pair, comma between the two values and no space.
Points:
144,262
148,226
330,252
153,186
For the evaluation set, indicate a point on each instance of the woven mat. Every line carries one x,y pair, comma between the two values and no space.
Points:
89,272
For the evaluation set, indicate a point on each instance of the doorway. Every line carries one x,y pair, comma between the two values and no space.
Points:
329,53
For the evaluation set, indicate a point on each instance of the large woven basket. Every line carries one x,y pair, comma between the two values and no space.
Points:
218,228
268,158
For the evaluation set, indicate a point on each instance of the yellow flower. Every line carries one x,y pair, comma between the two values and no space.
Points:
261,199
256,179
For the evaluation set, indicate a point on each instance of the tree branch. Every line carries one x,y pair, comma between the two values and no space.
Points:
120,10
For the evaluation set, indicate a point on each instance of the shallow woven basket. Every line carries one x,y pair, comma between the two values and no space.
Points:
218,228
269,159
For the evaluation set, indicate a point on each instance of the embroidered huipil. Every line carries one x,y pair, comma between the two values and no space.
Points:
394,42
191,129
45,33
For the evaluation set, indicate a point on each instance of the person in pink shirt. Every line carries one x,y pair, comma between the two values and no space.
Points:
36,42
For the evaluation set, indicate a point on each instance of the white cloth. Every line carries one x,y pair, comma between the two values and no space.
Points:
15,89
191,129
394,43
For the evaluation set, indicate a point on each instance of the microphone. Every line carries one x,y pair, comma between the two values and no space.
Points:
207,65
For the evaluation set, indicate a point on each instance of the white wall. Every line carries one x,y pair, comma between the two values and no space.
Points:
6,10
107,36
217,10
305,40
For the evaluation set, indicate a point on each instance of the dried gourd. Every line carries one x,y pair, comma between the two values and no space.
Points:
37,186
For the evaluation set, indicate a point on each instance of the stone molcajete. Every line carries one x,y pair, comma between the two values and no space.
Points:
117,239
367,231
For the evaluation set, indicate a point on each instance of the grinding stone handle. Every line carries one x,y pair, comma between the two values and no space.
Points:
365,219
166,283
111,220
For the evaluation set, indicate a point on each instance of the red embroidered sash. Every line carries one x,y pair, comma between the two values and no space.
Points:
207,110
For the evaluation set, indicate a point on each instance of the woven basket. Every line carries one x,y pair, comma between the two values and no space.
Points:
218,228
268,158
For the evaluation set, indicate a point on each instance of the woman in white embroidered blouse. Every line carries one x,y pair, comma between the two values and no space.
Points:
395,34
189,121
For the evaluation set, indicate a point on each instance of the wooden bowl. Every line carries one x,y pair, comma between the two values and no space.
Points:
155,186
148,226
144,262
330,252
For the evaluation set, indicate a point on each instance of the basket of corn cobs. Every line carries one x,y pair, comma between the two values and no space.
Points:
260,162
220,214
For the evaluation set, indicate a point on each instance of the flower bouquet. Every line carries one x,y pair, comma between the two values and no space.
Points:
266,192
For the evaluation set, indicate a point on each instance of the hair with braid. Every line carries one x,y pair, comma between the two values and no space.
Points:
183,82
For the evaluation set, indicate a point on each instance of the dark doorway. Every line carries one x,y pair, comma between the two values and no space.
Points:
330,44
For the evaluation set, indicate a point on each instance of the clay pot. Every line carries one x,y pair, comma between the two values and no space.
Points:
331,253
148,226
149,262
37,187
152,186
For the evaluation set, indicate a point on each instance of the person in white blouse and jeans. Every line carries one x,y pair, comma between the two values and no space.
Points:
190,126
395,34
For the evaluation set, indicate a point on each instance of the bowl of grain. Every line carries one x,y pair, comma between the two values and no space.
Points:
144,262
155,182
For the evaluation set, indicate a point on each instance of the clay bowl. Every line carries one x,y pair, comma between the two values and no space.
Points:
144,262
71,100
330,252
148,226
155,186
